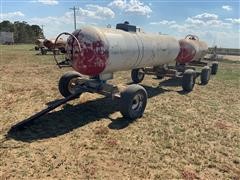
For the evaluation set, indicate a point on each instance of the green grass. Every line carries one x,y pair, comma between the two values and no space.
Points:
230,74
180,136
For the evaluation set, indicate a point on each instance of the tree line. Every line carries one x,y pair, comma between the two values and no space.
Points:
23,32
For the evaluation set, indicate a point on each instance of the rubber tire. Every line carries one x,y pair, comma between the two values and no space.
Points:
205,75
64,81
43,51
134,75
127,98
214,68
188,80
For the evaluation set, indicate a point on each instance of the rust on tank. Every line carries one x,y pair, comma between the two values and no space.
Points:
94,53
191,49
187,52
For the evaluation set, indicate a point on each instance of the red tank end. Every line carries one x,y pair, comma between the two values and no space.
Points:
187,52
92,58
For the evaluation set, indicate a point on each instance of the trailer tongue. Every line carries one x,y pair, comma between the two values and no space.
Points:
45,111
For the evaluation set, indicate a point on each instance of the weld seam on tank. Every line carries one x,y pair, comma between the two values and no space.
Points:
142,49
137,62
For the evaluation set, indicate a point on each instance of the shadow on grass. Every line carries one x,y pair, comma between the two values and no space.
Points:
60,122
154,91
177,82
172,82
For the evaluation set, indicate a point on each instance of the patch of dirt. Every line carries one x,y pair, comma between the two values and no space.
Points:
231,58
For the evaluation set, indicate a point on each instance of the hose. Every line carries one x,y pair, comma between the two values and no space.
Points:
54,46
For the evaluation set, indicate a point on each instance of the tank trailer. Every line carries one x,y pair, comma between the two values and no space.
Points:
96,53
47,45
187,64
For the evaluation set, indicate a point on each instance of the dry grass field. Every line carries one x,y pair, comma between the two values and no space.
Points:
180,136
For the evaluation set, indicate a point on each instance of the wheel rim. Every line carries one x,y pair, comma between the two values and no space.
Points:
140,74
72,85
137,103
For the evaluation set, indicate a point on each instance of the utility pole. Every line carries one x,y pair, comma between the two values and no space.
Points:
42,30
74,16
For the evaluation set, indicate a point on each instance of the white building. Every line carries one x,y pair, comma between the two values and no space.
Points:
6,38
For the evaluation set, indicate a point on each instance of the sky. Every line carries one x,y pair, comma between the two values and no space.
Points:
215,21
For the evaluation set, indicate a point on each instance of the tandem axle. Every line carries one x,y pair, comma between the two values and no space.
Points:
188,72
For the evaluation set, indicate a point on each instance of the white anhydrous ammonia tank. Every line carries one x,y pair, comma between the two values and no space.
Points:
105,50
39,42
49,43
192,49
